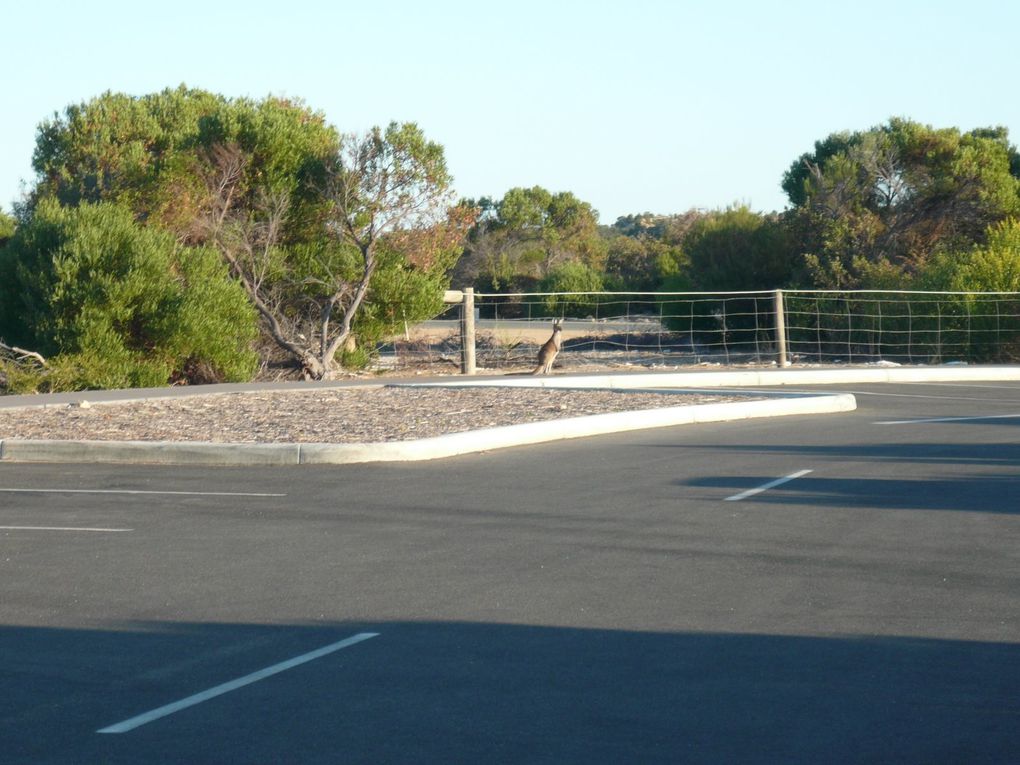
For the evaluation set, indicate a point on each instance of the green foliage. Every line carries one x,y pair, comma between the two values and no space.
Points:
984,323
678,282
896,194
572,276
400,294
687,315
389,194
120,305
669,307
154,154
7,226
860,273
971,323
21,375
991,267
15,380
526,234
640,263
295,208
114,147
737,249
797,181
338,237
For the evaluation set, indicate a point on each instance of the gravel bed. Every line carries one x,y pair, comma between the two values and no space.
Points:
340,415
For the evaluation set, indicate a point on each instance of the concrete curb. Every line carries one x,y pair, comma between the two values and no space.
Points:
149,452
574,427
754,378
193,453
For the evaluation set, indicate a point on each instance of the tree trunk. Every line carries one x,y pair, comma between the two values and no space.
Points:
342,338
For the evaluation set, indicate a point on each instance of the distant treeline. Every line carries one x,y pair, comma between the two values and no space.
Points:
900,205
186,237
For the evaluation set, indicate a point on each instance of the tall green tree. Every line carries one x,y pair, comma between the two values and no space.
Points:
384,189
639,263
114,147
738,249
573,276
298,210
153,154
897,193
519,239
645,250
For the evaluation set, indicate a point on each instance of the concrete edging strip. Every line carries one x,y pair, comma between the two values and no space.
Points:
575,427
152,452
193,453
754,378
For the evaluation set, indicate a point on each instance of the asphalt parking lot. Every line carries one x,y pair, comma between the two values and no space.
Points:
836,588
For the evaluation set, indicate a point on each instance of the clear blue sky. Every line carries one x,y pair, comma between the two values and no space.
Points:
636,105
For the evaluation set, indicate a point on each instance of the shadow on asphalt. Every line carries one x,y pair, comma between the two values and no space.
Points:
461,692
983,494
931,453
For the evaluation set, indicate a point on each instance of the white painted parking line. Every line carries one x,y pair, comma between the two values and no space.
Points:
233,685
140,491
57,528
767,486
978,385
884,394
950,419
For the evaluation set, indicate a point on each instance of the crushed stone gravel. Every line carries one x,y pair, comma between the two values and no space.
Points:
339,415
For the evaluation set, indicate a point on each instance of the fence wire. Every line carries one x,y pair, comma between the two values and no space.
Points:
903,327
735,328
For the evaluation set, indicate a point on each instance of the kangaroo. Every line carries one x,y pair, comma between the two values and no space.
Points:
547,353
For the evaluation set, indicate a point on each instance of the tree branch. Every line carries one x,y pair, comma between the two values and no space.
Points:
22,354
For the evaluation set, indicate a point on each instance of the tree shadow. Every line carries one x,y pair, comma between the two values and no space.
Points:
980,494
922,453
483,692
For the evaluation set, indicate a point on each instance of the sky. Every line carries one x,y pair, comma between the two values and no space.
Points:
634,106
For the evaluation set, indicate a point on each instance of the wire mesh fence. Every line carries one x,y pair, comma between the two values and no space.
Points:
903,327
735,328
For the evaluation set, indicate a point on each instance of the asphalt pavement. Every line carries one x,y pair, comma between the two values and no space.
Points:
836,588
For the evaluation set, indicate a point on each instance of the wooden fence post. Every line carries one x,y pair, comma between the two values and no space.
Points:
467,332
781,356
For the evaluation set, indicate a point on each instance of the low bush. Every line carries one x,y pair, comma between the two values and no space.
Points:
113,304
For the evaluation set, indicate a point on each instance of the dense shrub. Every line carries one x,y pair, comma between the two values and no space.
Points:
119,305
577,277
985,324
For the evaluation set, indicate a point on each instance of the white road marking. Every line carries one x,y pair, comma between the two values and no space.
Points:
139,491
950,419
766,487
233,685
56,528
884,394
980,386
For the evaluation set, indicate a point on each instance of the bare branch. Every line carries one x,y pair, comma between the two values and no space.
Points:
379,184
21,354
